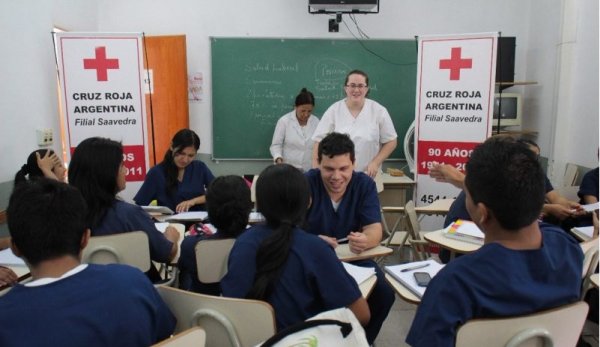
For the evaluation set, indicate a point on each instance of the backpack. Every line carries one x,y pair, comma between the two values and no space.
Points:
337,327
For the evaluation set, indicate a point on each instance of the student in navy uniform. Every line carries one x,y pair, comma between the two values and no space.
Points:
228,205
278,262
521,268
68,303
179,181
97,170
588,189
345,204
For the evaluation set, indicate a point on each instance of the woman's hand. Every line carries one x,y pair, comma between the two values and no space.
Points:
7,276
185,206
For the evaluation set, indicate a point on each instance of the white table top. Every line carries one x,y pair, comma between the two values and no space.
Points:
344,254
396,180
440,206
453,245
402,291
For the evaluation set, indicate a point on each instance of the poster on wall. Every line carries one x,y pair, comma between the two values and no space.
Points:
455,94
102,89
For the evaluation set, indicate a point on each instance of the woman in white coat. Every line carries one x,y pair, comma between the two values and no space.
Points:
292,140
368,124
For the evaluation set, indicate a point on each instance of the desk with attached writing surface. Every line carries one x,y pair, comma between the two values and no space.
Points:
344,254
404,293
394,194
453,245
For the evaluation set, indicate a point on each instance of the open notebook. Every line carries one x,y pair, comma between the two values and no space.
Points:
407,277
360,274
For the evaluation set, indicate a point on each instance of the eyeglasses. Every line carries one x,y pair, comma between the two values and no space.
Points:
359,86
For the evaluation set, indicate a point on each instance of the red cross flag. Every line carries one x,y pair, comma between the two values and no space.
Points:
101,78
455,91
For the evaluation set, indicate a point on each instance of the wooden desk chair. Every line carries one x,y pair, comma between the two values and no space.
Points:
418,244
193,337
394,237
129,248
590,263
560,326
211,259
227,321
571,174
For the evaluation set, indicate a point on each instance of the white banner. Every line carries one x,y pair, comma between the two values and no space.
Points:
455,94
102,88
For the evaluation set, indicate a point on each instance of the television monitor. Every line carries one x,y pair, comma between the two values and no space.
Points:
343,6
508,105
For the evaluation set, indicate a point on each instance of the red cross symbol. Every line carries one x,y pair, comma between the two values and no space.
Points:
455,63
101,64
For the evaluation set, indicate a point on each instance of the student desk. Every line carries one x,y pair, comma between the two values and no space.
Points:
454,246
367,286
344,254
594,279
583,236
394,193
439,207
402,291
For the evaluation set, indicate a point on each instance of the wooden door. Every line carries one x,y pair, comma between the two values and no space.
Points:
167,108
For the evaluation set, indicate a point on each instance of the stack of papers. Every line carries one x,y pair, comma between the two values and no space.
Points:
465,231
7,257
360,274
194,216
591,207
407,277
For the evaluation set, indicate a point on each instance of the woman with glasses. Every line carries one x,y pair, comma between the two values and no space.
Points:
292,140
367,122
179,181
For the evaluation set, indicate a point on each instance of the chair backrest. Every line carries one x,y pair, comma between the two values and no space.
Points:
413,221
227,321
193,337
571,173
129,248
211,259
590,263
568,192
560,326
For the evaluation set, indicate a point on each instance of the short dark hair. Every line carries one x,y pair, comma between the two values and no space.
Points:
305,98
46,219
336,144
94,169
357,72
506,176
228,204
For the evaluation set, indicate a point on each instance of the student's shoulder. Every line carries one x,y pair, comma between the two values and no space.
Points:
121,207
363,181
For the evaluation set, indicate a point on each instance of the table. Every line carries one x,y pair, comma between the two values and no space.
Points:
453,245
402,291
438,207
594,279
367,286
395,192
583,233
344,254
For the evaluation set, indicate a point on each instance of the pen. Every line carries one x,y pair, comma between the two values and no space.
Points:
414,267
345,239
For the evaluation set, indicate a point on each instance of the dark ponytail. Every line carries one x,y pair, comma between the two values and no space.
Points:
282,196
31,169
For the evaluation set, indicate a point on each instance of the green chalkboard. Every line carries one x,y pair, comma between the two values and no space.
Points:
255,82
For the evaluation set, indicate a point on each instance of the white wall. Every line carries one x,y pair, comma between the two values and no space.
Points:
27,63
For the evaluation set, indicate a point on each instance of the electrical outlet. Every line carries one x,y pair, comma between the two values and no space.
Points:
44,137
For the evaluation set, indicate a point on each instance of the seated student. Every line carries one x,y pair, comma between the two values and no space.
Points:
297,273
41,163
228,205
68,303
179,181
345,204
97,170
521,268
588,189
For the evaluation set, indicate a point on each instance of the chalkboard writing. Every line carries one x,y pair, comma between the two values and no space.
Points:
255,82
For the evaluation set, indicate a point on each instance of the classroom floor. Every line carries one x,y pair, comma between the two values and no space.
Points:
396,326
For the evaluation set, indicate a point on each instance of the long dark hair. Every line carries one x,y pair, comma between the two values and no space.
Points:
228,204
305,97
182,139
282,196
31,169
94,169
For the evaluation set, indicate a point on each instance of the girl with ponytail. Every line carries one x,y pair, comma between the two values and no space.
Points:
278,262
41,163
